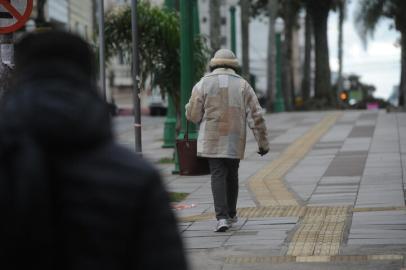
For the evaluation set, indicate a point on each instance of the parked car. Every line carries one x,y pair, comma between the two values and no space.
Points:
158,103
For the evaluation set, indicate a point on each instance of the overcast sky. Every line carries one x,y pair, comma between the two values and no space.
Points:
378,64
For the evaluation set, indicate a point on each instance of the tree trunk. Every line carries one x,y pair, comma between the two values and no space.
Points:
245,19
341,6
271,80
400,24
402,85
215,25
289,15
319,11
307,58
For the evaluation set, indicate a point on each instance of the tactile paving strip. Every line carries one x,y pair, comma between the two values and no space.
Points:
320,233
242,260
314,212
256,212
375,209
268,186
292,211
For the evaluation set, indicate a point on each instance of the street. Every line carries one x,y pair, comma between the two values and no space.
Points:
330,195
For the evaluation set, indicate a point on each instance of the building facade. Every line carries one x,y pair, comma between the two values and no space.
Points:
73,15
58,13
225,19
81,14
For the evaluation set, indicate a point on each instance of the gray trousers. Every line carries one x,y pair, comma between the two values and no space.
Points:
224,186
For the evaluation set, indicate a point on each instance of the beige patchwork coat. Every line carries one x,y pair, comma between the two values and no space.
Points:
224,103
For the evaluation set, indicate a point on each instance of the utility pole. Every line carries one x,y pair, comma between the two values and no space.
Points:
135,75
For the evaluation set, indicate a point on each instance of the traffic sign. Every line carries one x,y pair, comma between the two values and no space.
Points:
14,14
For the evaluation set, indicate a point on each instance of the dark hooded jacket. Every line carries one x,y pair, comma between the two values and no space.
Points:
70,197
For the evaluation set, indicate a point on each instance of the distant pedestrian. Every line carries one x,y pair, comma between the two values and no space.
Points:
224,103
70,197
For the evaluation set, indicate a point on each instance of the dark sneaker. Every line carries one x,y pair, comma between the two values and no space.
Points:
222,226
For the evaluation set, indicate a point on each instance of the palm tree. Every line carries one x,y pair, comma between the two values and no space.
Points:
290,10
271,78
369,13
319,11
341,15
306,80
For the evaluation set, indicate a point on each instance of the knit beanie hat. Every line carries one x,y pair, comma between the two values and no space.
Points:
224,58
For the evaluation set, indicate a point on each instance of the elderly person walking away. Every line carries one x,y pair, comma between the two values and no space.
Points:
223,103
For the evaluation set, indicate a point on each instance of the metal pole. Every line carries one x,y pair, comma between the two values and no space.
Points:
279,104
170,121
186,67
6,56
135,75
186,58
102,46
7,48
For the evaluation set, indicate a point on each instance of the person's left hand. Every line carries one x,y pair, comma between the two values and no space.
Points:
262,151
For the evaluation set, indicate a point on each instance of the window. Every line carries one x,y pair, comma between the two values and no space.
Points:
223,20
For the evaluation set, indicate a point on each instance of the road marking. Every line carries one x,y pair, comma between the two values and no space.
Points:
268,185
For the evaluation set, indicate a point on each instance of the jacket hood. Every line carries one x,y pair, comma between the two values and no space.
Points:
60,113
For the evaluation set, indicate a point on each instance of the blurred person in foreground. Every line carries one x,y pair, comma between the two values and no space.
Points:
70,197
223,103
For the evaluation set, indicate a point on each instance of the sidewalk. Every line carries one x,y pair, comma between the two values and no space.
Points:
330,195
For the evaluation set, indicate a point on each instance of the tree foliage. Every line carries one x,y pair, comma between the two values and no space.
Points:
159,45
370,12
